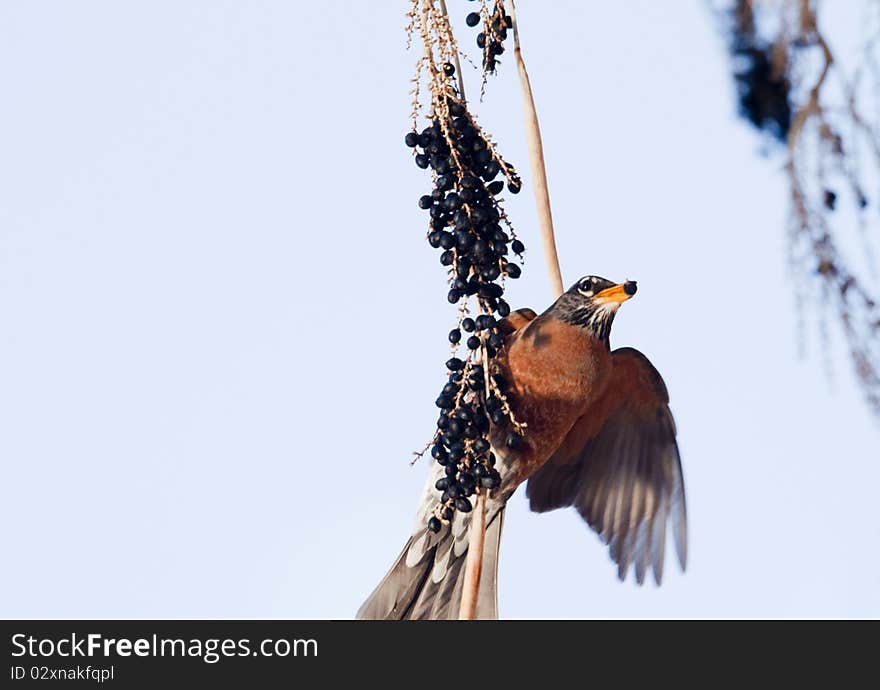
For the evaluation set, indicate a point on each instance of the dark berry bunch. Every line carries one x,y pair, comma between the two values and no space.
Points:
491,39
467,225
761,75
763,94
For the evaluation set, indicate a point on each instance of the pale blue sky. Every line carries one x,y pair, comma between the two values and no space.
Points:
223,331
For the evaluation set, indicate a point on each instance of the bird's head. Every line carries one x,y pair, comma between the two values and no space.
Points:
591,303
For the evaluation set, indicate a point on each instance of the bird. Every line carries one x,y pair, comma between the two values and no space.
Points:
598,437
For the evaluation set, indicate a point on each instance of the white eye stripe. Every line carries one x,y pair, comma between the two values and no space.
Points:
586,287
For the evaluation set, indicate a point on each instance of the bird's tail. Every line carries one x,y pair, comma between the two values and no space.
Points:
430,587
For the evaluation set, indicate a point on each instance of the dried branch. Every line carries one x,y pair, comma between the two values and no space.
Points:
816,136
473,566
536,160
821,124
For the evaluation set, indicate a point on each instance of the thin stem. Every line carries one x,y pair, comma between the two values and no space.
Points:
536,161
458,71
474,563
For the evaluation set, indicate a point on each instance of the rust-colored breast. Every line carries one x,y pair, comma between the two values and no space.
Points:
556,370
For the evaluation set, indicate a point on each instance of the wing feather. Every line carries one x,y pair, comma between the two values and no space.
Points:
625,480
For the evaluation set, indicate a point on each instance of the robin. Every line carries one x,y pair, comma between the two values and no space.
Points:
599,436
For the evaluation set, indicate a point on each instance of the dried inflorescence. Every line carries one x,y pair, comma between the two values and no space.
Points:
470,227
791,86
495,24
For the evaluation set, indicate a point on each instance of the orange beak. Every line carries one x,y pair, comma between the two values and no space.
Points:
617,294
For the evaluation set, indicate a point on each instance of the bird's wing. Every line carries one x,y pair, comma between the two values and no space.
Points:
516,320
624,477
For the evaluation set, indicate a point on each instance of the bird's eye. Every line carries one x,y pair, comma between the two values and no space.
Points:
586,286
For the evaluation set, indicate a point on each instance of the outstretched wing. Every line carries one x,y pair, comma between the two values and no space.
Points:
623,478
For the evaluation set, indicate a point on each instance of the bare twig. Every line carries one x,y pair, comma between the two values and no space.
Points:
816,144
536,160
473,567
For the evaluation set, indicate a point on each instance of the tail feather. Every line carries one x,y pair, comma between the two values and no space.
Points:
394,595
487,599
410,591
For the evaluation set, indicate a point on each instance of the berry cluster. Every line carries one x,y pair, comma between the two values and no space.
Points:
491,39
466,225
763,94
761,73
